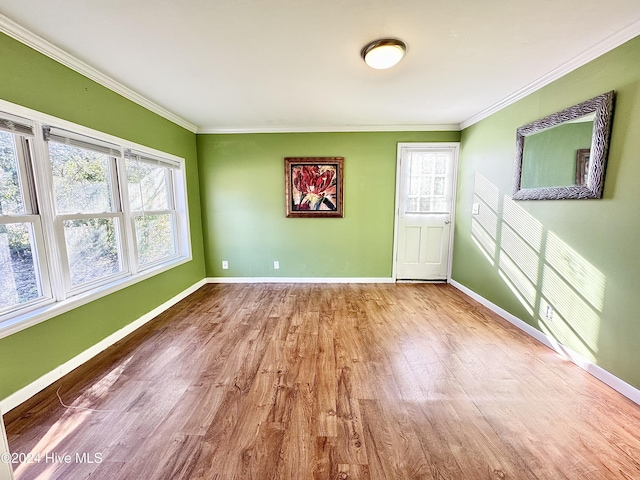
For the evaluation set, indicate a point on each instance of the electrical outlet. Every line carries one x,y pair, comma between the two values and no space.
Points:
476,209
276,264
225,265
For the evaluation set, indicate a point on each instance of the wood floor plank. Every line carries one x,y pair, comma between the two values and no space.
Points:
297,455
326,382
351,449
326,466
353,472
393,451
261,460
326,385
442,463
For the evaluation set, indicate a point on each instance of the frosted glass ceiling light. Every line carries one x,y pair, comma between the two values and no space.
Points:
384,53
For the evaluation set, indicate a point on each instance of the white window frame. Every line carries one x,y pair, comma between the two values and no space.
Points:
51,250
131,215
115,213
25,157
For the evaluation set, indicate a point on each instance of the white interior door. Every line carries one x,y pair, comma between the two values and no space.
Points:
424,209
5,459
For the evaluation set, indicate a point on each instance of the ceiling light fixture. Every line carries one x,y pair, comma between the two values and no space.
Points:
383,53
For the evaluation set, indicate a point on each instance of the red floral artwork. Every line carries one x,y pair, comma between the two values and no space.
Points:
314,186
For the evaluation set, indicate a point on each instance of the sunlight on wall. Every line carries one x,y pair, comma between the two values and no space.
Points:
527,227
487,191
484,225
483,240
572,318
524,290
520,241
520,252
558,287
587,280
574,288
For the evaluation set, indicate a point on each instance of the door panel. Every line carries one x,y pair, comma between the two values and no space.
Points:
412,244
426,185
433,252
424,245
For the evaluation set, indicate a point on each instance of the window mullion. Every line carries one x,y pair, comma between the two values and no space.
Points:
128,230
182,212
42,258
45,193
118,188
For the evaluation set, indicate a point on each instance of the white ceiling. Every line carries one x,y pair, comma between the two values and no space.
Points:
294,65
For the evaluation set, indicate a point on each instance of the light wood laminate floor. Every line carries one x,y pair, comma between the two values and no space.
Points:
327,382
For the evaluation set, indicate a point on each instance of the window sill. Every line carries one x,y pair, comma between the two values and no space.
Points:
18,322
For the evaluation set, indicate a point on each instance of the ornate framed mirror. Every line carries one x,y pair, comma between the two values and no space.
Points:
564,155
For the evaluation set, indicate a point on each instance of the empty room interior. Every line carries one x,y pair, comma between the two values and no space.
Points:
235,246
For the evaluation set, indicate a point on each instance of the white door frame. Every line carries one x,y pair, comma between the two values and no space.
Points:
401,145
6,470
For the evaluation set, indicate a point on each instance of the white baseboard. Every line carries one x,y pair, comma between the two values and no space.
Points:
600,373
47,379
300,280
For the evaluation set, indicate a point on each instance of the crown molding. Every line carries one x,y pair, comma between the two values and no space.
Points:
25,36
615,40
21,34
448,127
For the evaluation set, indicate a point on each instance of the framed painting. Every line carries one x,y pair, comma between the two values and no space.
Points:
313,186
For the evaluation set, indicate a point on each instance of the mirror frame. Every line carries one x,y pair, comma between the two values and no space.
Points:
602,106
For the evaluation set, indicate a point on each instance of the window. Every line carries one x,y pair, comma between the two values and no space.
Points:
149,182
427,175
88,213
23,279
81,215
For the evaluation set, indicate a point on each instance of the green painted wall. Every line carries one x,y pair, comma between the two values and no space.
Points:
242,185
580,256
33,80
549,158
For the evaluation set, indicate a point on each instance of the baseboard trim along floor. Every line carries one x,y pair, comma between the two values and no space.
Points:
47,379
300,280
600,373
